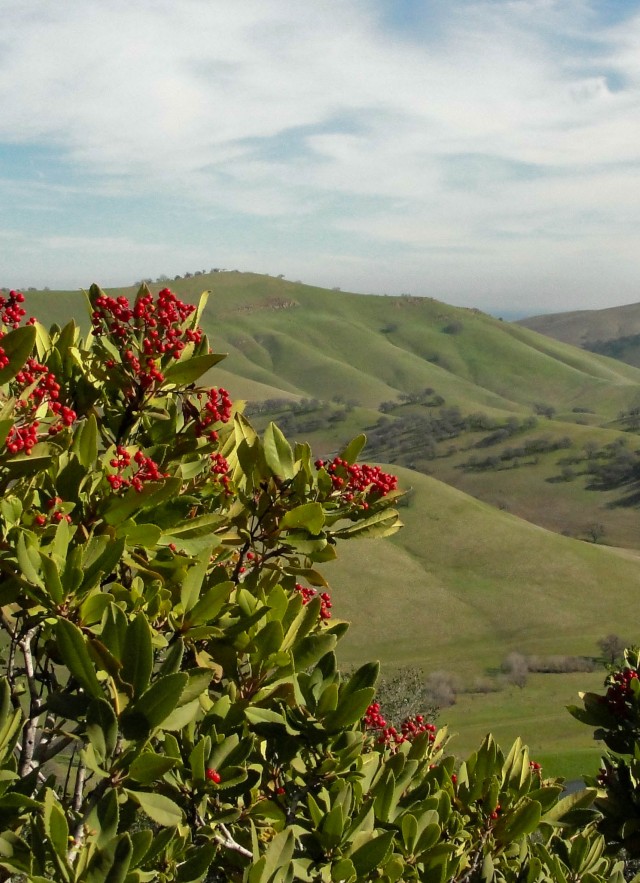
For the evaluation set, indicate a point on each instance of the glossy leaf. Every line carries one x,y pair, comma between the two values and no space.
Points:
73,649
160,809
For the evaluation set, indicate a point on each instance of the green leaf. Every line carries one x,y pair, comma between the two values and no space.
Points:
118,509
351,709
74,652
104,818
114,630
191,369
309,516
267,641
85,442
256,715
17,346
372,854
353,450
148,767
198,683
210,604
202,305
55,824
15,854
101,557
278,453
578,800
153,707
343,871
197,862
381,524
141,841
181,716
365,676
52,581
137,655
203,525
192,582
28,561
312,648
146,535
102,728
332,828
111,864
93,607
158,807
278,855
519,822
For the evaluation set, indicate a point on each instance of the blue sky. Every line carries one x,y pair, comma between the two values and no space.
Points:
483,152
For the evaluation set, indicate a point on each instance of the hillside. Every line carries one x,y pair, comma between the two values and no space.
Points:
613,332
525,434
327,364
462,586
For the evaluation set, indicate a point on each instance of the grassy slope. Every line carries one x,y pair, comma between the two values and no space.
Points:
464,583
314,342
467,568
580,326
475,584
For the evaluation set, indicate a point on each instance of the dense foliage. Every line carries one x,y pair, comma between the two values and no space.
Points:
170,705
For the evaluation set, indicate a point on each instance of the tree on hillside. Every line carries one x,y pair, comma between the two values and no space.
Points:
612,648
516,669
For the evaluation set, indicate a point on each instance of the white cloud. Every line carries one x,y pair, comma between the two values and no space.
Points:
281,110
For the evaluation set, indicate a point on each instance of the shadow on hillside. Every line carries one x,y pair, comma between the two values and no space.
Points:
631,499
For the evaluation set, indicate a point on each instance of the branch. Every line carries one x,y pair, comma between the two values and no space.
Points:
79,789
36,705
229,843
80,831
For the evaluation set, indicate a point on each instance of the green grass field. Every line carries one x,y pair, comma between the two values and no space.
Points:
465,582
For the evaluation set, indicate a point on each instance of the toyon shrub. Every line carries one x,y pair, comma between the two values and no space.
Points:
170,703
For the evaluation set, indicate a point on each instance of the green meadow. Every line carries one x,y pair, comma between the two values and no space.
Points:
491,560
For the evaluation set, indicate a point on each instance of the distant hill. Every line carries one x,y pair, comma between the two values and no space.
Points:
328,364
613,332
508,439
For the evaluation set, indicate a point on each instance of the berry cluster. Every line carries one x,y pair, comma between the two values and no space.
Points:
373,719
213,776
11,313
43,388
619,693
535,768
22,438
410,728
147,470
55,513
217,409
146,333
325,600
220,469
353,480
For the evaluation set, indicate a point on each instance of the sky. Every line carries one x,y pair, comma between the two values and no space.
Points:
482,152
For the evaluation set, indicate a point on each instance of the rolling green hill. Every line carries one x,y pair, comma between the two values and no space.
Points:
613,332
524,433
289,342
462,586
